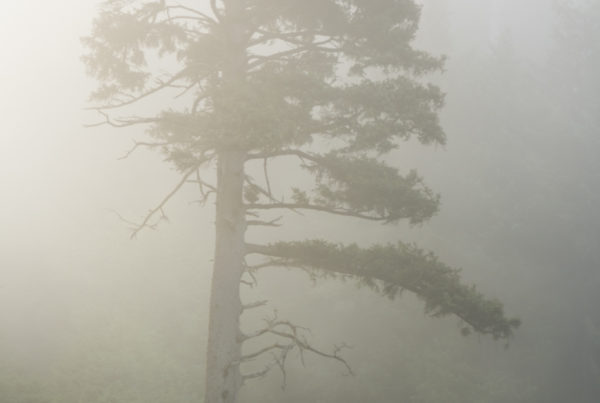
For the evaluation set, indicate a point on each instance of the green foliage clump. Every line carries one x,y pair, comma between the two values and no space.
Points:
389,269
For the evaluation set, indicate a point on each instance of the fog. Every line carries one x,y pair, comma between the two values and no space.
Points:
88,314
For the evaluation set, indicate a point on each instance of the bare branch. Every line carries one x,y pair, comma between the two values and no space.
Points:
283,153
185,89
282,262
266,173
301,47
201,15
280,361
258,374
253,305
257,60
201,185
257,333
270,35
303,345
294,333
161,86
122,122
129,222
182,18
250,272
251,356
272,223
137,144
269,263
315,207
215,10
257,248
159,208
294,38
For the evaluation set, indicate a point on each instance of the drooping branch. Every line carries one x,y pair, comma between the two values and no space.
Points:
390,269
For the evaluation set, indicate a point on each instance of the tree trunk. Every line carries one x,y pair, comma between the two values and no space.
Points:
223,378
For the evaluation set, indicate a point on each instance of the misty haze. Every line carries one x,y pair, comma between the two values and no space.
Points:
255,201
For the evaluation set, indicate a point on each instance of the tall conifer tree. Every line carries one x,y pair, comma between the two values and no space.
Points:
278,79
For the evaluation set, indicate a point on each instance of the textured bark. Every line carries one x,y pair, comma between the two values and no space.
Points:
223,378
